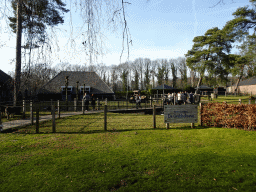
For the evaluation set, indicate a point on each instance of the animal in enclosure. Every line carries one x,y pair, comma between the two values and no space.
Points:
12,111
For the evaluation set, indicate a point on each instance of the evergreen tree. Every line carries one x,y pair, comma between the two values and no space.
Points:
239,29
36,15
210,54
31,17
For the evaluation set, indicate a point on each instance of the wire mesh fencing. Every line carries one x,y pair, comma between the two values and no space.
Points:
46,114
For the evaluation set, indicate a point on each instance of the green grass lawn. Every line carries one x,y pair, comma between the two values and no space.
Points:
131,156
231,99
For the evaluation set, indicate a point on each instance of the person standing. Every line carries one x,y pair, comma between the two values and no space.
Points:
186,96
179,98
86,99
191,98
173,98
138,100
169,99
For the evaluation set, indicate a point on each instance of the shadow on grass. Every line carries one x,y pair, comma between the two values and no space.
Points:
183,128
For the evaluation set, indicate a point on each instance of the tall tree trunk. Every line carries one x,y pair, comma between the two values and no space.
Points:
239,78
238,81
198,84
18,53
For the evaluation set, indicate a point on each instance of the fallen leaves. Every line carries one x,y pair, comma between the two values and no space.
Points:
229,115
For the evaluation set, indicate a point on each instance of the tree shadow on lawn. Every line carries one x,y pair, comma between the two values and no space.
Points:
27,131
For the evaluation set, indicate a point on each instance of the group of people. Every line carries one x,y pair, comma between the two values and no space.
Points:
87,98
179,98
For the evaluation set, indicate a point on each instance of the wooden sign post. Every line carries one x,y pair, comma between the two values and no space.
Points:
180,114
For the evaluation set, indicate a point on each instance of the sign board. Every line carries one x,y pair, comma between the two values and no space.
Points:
180,114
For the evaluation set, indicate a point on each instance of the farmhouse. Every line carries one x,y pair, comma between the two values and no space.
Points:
77,83
245,86
6,86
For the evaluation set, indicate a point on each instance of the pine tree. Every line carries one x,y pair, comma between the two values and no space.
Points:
32,17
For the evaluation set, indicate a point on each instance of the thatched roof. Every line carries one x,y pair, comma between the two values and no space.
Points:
88,78
4,78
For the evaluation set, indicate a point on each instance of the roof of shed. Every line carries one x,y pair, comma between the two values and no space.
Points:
166,87
204,87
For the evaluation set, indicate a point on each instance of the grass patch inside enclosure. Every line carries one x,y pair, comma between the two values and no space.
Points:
232,99
131,156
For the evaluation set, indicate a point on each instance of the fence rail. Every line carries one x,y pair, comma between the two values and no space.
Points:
33,112
26,111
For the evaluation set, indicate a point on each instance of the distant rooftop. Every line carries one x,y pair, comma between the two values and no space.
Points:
166,87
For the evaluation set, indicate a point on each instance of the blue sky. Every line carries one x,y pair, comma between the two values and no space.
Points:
158,28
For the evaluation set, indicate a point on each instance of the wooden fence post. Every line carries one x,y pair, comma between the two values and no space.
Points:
75,104
240,101
154,116
83,106
105,117
225,93
167,125
250,102
98,104
118,104
200,108
150,101
58,105
31,112
24,109
37,120
53,119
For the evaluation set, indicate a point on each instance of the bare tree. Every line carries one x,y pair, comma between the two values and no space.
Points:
101,69
166,70
34,77
174,72
136,78
140,66
153,72
94,13
114,77
147,68
182,67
